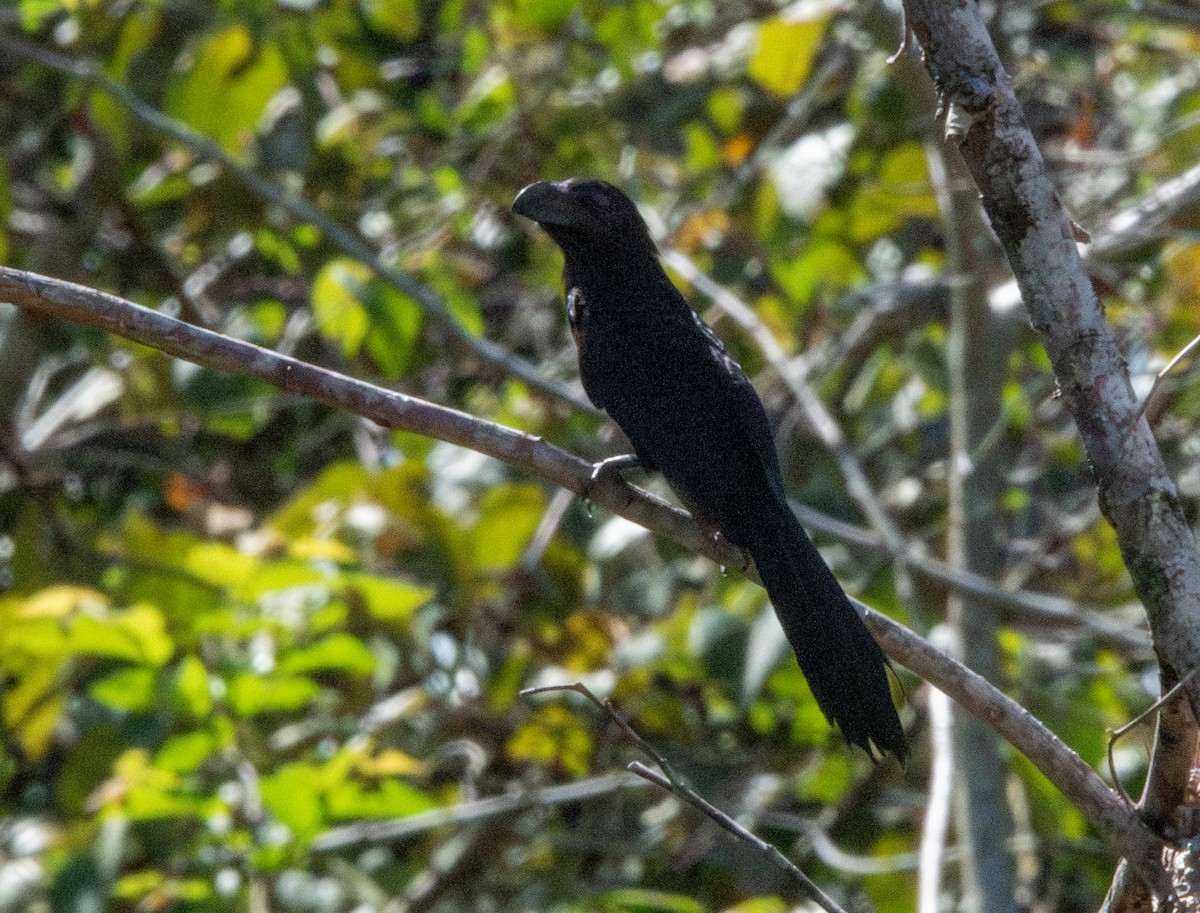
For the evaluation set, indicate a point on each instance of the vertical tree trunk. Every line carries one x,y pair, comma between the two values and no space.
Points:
977,349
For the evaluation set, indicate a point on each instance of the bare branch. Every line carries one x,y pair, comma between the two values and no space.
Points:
1062,766
671,782
1019,606
1145,222
374,832
937,806
66,301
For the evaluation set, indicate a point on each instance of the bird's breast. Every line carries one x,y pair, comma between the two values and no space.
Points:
635,364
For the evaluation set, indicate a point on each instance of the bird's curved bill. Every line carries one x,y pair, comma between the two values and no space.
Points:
548,203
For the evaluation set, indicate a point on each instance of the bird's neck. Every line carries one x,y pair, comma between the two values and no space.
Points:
606,279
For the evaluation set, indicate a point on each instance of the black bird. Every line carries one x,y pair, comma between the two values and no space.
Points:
647,359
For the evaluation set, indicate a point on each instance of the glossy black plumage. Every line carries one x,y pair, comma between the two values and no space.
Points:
686,406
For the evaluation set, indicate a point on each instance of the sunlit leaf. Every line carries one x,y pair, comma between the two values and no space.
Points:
192,688
58,602
186,752
826,266
337,293
787,45
228,85
251,695
130,690
508,516
276,578
389,599
1182,263
292,796
553,736
390,763
220,564
641,900
137,635
543,15
336,653
400,19
391,799
395,325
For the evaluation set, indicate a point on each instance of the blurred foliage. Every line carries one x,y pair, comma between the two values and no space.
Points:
231,620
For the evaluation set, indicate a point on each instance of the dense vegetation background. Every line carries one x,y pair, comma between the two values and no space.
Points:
237,627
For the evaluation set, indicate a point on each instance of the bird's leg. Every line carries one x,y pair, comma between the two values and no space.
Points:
608,466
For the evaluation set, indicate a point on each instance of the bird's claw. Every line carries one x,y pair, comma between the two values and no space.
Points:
607,466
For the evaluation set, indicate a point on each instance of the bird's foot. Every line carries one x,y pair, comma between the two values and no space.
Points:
613,464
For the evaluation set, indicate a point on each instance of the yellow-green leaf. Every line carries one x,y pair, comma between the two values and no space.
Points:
338,652
251,695
337,294
390,599
787,45
226,89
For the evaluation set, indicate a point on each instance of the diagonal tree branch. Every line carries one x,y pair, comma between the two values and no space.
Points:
1136,494
1078,782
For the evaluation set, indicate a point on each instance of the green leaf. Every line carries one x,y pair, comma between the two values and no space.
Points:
400,19
336,297
185,753
191,688
338,652
901,191
393,799
553,736
544,16
830,779
130,690
389,599
338,482
395,324
825,266
35,12
276,577
787,46
251,695
640,900
291,795
509,514
227,87
137,635
220,564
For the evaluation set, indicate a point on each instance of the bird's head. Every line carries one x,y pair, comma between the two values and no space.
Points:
586,216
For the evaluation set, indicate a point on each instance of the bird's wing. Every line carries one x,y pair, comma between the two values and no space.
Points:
746,409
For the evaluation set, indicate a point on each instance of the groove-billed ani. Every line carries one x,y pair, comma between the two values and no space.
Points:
648,360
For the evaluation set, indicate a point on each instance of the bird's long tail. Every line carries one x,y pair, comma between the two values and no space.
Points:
845,667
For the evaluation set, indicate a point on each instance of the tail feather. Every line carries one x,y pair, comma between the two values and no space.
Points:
845,667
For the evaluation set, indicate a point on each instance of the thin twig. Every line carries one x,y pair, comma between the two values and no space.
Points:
937,805
766,850
376,832
1115,734
670,781
1026,606
1180,356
